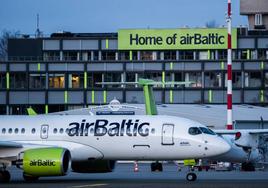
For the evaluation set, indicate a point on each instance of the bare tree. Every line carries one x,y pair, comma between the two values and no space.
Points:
5,35
212,24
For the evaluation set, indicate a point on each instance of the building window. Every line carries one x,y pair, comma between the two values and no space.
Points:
86,56
146,55
258,19
262,54
51,56
202,55
112,77
266,79
37,81
76,81
252,79
236,79
213,79
70,56
169,55
194,77
3,81
18,80
108,55
186,55
56,81
222,54
123,55
93,78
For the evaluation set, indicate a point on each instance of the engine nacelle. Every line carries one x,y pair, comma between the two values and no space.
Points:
93,166
246,140
45,161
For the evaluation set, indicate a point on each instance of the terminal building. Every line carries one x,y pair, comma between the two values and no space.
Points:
65,71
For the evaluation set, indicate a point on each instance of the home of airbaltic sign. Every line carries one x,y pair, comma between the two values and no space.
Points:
173,39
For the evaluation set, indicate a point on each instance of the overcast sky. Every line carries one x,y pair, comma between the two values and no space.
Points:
111,15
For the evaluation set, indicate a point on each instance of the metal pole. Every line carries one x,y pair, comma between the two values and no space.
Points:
229,69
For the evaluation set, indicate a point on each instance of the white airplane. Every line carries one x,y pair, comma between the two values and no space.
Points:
246,147
45,145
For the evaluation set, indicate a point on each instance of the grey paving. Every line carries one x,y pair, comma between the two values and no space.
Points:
124,176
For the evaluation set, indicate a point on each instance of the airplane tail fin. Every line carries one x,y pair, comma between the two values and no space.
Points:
31,111
147,84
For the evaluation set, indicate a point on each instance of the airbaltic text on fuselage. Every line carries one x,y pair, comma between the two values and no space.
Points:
188,39
102,127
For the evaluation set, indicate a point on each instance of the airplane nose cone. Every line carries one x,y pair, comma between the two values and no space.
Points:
222,147
218,147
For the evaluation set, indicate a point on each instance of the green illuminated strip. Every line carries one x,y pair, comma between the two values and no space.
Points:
93,97
262,65
106,43
65,96
104,96
171,65
222,65
262,96
248,54
210,96
208,54
38,66
85,80
46,109
7,79
130,55
163,79
170,96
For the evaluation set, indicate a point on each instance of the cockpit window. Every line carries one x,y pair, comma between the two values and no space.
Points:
207,131
194,131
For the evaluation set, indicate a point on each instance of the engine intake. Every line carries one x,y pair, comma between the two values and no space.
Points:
46,161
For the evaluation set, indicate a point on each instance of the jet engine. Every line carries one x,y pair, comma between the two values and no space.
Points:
93,166
44,162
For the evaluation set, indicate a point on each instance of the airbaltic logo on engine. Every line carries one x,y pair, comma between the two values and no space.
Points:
40,162
102,127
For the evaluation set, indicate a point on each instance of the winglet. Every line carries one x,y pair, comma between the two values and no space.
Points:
31,112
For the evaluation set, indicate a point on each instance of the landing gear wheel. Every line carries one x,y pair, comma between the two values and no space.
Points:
191,176
30,178
248,166
156,167
4,176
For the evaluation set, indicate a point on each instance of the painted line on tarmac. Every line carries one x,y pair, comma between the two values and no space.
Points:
90,185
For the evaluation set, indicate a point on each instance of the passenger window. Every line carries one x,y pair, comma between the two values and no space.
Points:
61,130
3,130
33,130
194,131
55,131
207,131
10,131
22,130
16,131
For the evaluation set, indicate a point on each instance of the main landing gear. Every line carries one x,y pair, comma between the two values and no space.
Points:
29,178
156,167
4,176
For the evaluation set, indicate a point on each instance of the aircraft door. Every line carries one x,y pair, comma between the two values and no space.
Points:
167,134
44,131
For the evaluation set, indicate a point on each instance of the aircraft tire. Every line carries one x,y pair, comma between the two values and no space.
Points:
191,176
4,176
29,178
156,167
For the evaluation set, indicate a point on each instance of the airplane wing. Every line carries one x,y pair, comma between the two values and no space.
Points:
9,144
250,131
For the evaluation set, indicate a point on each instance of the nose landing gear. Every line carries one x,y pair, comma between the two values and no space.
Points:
191,176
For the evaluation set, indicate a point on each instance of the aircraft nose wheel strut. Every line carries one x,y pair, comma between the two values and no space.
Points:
191,176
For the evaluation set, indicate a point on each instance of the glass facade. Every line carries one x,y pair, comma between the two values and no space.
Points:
71,75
